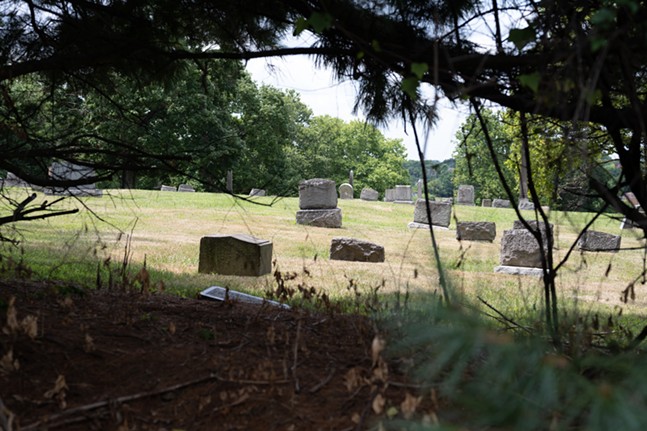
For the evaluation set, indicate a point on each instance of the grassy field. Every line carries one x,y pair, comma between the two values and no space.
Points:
165,229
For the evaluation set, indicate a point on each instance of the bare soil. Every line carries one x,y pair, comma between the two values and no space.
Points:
106,360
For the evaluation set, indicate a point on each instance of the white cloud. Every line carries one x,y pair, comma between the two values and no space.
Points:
325,96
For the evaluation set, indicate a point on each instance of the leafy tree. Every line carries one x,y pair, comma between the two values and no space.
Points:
473,159
330,148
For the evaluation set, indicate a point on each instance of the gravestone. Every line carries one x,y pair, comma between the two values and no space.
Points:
441,214
402,194
66,171
368,194
355,250
465,195
518,224
421,190
475,231
351,178
237,254
599,241
520,253
389,195
168,188
345,191
257,192
525,204
13,181
486,202
501,203
318,203
185,188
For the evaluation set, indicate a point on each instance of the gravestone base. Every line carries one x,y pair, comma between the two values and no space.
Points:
237,254
330,218
519,270
416,225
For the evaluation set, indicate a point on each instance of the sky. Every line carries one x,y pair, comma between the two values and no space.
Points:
319,90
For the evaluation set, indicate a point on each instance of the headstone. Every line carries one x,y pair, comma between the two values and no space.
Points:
168,188
230,182
525,204
402,194
185,188
13,181
345,191
501,203
368,194
66,171
599,241
486,202
520,248
389,195
441,214
518,224
465,195
355,250
350,178
318,203
257,192
475,231
237,254
317,193
420,189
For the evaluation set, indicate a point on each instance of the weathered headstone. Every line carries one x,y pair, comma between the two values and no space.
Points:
389,195
599,241
257,192
318,203
13,181
520,253
402,194
441,214
237,254
168,189
500,203
475,231
355,250
368,194
66,171
185,188
486,202
421,189
345,191
465,195
525,204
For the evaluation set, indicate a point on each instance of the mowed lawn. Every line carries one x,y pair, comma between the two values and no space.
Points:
165,228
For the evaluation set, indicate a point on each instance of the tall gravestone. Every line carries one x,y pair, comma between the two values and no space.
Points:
465,195
318,204
230,182
420,189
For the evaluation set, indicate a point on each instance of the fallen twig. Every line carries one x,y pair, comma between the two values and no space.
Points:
322,383
51,421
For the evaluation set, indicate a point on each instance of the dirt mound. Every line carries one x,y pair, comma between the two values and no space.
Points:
121,361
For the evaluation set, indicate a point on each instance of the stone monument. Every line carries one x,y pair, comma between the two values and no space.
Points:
402,194
520,253
368,194
345,191
257,192
318,204
441,214
599,241
475,231
66,171
185,188
238,254
465,195
355,250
